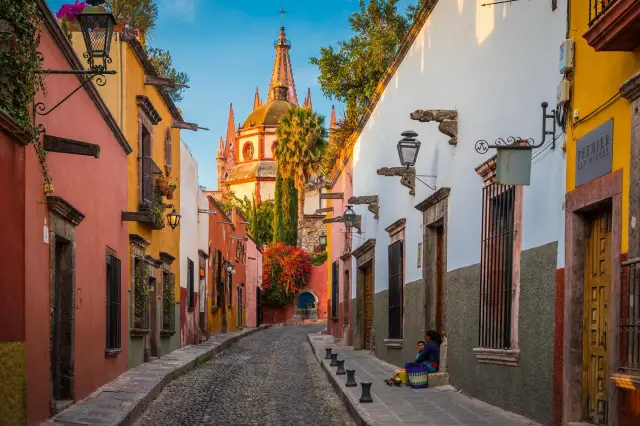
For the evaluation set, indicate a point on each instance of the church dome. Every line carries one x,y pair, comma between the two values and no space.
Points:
268,114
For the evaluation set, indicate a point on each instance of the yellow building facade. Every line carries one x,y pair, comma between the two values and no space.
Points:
602,209
151,123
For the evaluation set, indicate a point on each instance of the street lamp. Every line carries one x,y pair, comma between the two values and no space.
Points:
349,218
97,29
408,148
231,270
322,239
174,219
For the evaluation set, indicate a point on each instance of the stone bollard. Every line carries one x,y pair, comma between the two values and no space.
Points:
351,379
328,355
334,360
366,392
340,371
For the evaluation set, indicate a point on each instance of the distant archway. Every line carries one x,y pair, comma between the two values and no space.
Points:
306,300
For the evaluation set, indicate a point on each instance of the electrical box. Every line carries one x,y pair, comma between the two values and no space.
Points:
566,56
564,92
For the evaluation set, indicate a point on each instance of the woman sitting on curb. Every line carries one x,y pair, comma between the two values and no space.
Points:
429,357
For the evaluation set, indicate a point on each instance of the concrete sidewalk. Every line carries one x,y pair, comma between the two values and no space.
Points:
440,406
122,401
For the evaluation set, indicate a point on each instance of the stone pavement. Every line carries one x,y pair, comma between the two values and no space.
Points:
121,401
440,406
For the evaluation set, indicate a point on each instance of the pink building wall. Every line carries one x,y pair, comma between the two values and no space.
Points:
97,187
254,281
337,249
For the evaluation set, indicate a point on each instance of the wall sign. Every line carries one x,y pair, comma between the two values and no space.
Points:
594,153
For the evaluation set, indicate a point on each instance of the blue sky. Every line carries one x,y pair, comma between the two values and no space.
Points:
226,47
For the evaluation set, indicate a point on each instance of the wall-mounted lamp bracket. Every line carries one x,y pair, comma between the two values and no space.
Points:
407,176
448,119
371,201
482,146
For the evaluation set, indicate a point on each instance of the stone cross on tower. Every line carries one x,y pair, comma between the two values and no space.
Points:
282,13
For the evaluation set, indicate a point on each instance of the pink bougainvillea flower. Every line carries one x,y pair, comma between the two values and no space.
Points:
69,11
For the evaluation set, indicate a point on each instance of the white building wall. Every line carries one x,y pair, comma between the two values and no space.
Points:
495,65
189,232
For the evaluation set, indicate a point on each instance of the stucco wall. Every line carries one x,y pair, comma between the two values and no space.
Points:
189,241
254,280
527,388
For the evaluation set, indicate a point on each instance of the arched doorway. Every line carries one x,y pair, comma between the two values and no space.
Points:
306,300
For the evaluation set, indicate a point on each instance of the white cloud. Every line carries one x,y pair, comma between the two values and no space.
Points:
180,9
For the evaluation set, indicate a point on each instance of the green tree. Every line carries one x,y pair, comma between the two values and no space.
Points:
135,14
352,72
162,62
301,144
285,214
259,216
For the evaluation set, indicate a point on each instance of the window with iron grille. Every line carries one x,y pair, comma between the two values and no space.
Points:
113,304
396,280
191,270
220,280
496,287
629,355
168,301
230,288
335,269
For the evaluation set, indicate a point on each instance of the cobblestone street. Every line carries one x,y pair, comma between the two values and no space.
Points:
269,378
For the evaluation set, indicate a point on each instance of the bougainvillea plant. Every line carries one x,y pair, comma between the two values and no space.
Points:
285,270
69,11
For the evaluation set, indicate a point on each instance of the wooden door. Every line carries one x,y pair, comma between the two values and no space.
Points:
440,268
368,305
597,289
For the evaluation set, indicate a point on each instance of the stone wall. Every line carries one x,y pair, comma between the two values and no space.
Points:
526,389
312,228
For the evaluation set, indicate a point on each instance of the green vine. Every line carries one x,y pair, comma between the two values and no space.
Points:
169,293
158,209
141,292
21,72
319,258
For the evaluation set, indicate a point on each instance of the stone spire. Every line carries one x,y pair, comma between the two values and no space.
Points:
221,148
282,72
307,100
257,102
333,122
231,130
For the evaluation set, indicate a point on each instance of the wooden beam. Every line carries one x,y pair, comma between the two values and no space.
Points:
162,81
332,196
338,219
70,146
325,210
186,126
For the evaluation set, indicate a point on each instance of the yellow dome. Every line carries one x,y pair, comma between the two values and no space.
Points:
268,114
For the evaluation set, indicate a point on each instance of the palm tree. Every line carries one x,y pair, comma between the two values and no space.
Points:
301,144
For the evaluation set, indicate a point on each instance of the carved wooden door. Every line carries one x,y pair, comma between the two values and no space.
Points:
368,305
597,289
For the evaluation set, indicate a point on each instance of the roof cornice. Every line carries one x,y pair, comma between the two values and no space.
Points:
149,69
61,40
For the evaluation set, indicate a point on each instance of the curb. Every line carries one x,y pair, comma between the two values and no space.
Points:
136,406
350,403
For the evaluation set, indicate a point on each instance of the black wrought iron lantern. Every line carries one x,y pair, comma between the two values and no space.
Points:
322,239
97,29
408,148
349,218
173,219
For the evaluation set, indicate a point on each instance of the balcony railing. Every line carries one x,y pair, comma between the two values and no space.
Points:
630,317
597,8
149,212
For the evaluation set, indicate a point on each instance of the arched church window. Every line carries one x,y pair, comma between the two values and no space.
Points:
247,151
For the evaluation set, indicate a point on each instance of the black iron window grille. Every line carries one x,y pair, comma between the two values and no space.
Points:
597,8
191,270
230,288
168,301
113,304
496,287
396,279
630,317
335,270
219,280
141,295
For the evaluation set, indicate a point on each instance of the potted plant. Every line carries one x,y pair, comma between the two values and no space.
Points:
161,184
170,190
67,16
